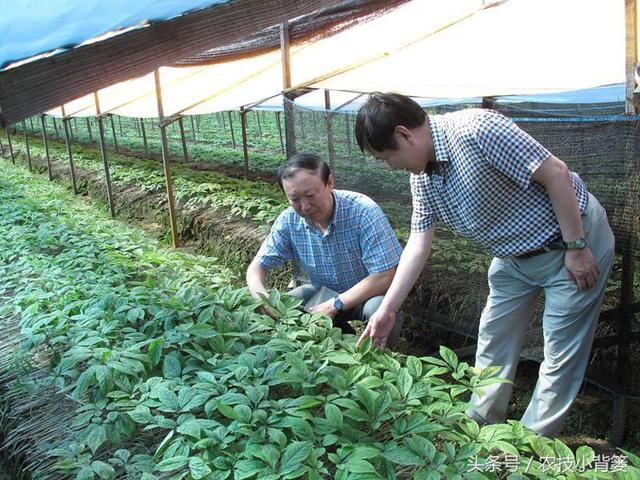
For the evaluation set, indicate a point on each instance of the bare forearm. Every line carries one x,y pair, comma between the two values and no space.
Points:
256,279
555,177
412,262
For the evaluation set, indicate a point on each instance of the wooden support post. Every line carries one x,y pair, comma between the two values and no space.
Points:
69,123
113,130
280,131
166,162
224,124
233,136
347,133
65,124
120,125
1,148
198,124
183,139
289,127
33,130
55,127
328,120
631,52
103,153
193,130
26,145
258,120
13,158
144,137
245,148
89,129
45,141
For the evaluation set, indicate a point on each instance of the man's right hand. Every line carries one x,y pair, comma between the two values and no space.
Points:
379,327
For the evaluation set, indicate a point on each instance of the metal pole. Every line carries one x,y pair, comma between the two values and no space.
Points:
233,137
69,154
113,130
46,145
89,129
183,139
329,125
13,158
144,137
245,148
103,153
193,130
26,144
279,131
166,161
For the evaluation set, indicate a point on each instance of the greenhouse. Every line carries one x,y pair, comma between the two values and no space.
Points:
140,147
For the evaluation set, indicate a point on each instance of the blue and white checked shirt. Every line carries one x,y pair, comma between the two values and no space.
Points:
358,242
484,189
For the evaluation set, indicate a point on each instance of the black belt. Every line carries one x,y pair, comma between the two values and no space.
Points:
555,244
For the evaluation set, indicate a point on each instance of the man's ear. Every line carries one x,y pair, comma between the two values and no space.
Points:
402,132
330,182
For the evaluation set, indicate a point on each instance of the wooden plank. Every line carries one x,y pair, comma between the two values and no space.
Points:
48,82
631,51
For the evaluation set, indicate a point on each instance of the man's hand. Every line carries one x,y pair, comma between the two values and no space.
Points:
266,309
325,308
582,267
379,328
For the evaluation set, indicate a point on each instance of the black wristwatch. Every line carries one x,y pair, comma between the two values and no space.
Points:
577,244
337,304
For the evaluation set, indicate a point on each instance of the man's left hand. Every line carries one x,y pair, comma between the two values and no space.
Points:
582,267
325,308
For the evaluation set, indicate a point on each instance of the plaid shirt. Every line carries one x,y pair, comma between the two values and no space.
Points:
483,189
358,242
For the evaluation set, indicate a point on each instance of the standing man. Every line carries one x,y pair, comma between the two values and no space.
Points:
490,181
340,239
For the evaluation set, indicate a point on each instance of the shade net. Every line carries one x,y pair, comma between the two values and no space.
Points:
597,141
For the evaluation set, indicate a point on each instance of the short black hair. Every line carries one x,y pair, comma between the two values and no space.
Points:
304,161
380,115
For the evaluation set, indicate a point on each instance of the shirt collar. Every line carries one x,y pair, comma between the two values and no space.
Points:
439,142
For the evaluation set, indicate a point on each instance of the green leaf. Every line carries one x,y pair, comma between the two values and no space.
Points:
191,428
155,351
334,415
403,456
96,437
202,330
198,467
414,365
301,428
449,356
104,470
359,465
293,456
172,463
86,473
171,367
141,414
405,382
341,358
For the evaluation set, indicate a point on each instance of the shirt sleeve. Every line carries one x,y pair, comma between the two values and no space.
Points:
276,249
508,148
423,217
378,242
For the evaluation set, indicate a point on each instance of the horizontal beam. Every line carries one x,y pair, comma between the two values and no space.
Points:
46,83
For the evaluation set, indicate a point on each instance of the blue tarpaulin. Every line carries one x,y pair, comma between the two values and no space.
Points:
32,27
